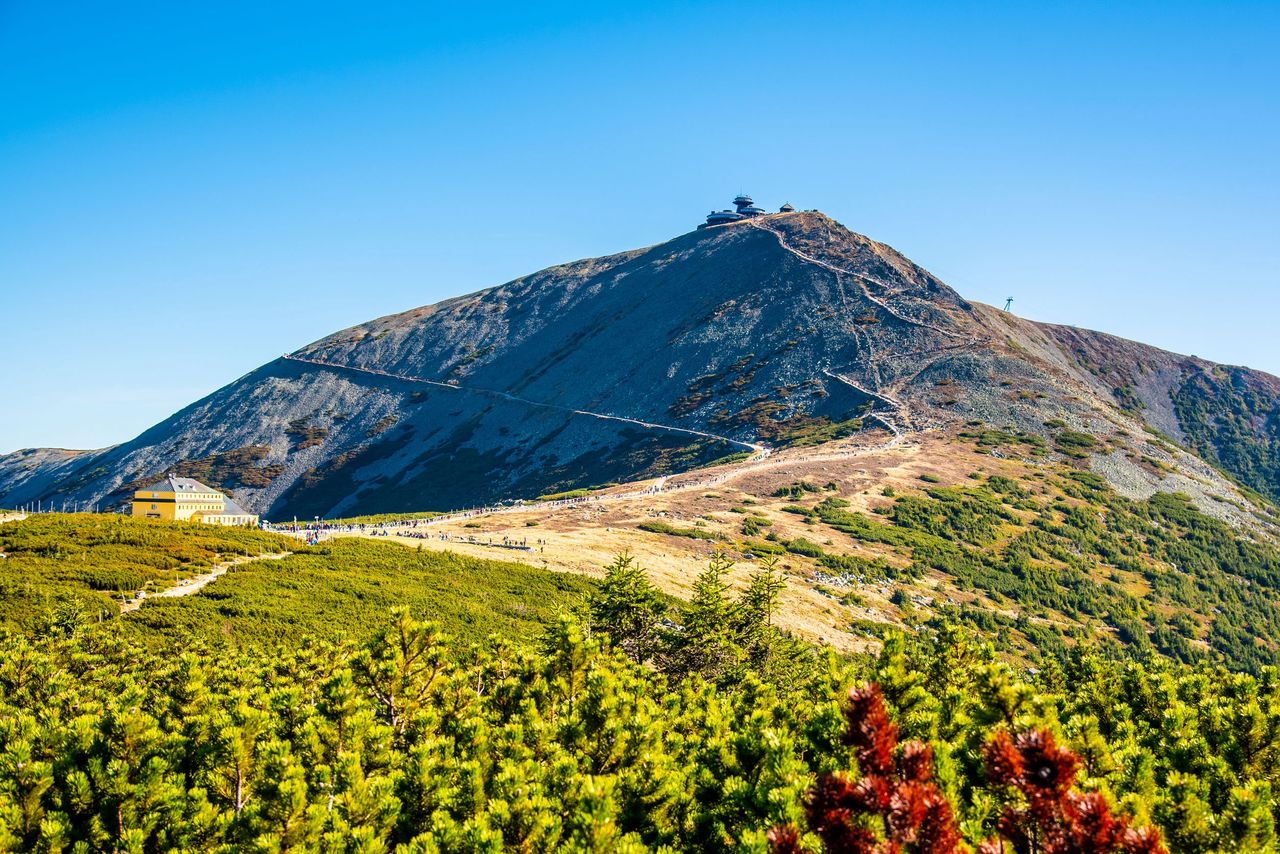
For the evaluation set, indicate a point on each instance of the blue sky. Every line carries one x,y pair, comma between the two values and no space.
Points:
189,190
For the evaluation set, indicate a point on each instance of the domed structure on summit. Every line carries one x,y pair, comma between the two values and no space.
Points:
745,207
721,217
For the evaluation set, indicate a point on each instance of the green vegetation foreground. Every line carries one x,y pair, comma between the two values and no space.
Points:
61,566
413,744
214,723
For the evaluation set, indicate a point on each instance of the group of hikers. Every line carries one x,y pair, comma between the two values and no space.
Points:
319,528
315,531
521,544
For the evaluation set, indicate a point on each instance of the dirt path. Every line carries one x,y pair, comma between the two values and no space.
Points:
194,585
873,358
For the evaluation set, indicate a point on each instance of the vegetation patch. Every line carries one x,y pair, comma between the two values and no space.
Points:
803,547
1231,419
471,355
227,471
1075,556
798,489
379,518
988,439
659,527
304,435
569,493
386,422
804,432
1075,444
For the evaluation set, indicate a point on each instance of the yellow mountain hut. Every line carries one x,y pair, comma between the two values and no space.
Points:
183,499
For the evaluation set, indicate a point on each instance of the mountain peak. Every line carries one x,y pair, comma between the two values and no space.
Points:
744,207
761,330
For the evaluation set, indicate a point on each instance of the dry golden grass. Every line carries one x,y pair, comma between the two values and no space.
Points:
585,537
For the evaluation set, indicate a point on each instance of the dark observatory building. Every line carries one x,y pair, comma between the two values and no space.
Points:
721,217
745,208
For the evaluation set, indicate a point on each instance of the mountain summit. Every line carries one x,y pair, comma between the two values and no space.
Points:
747,334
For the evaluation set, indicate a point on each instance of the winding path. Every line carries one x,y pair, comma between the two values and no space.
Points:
860,278
873,359
196,584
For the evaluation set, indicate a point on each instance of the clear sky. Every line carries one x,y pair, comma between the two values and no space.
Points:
188,190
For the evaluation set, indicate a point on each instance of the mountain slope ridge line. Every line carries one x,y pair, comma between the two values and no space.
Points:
862,279
815,326
762,450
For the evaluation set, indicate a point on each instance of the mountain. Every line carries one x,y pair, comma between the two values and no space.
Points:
778,330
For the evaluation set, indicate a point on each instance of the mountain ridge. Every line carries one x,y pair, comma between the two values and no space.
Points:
778,329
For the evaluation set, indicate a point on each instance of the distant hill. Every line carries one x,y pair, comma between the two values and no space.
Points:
780,330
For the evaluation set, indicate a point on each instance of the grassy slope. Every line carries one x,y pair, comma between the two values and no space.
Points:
78,567
347,587
989,529
97,560
1065,552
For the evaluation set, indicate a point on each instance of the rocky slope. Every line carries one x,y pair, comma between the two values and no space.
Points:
785,329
